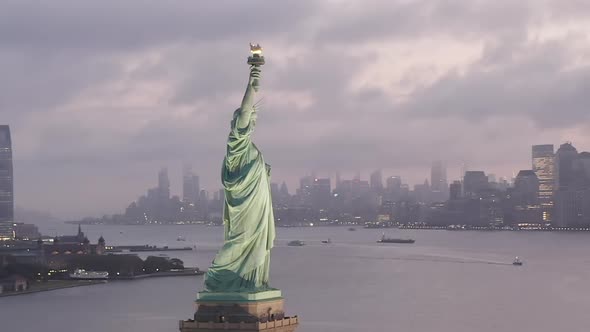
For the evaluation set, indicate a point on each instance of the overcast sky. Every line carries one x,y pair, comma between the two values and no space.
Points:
99,95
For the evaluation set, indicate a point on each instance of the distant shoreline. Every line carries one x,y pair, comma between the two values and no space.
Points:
51,285
432,228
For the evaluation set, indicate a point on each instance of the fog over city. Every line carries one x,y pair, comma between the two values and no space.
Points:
99,96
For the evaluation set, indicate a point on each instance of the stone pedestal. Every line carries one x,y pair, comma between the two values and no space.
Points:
260,311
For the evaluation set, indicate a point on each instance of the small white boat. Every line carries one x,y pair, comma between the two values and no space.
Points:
517,262
180,238
89,275
328,241
296,243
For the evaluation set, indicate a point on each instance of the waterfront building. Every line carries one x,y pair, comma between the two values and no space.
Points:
14,283
6,176
543,160
57,253
572,188
6,231
24,231
525,199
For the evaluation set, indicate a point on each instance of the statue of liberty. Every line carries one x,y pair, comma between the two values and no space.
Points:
242,264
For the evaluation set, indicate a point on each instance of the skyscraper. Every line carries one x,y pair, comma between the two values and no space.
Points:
566,167
190,186
570,193
163,185
438,181
6,176
321,193
544,168
474,182
376,181
455,190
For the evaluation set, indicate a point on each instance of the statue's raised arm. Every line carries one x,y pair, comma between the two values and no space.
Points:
247,107
255,60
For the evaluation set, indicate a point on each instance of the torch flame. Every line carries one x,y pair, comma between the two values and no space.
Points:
255,49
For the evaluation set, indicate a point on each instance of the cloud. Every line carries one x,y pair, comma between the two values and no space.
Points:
100,95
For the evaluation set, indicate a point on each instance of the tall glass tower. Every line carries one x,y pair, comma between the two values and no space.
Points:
6,176
544,168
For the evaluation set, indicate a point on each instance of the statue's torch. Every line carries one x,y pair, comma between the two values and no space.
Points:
255,59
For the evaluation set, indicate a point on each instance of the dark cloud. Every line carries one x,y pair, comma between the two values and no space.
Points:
123,25
535,79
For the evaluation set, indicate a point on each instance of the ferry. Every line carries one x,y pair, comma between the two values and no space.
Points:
89,275
296,243
517,262
390,240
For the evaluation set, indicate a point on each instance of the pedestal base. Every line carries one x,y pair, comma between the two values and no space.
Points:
261,311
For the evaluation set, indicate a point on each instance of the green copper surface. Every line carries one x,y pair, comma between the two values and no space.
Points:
242,264
238,296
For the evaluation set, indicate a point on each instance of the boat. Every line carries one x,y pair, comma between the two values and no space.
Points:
296,243
89,275
392,240
180,238
517,262
327,241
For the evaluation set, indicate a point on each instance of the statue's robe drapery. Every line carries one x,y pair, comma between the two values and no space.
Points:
243,262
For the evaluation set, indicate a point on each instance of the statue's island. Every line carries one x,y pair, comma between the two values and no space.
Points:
237,294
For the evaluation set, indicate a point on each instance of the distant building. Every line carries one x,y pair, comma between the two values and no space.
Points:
57,253
190,186
305,191
15,283
572,195
567,167
376,181
18,231
543,160
584,158
438,181
455,190
7,231
474,182
321,194
163,185
6,176
422,192
24,231
525,199
393,189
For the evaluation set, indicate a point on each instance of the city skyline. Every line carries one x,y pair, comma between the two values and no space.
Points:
438,168
351,86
